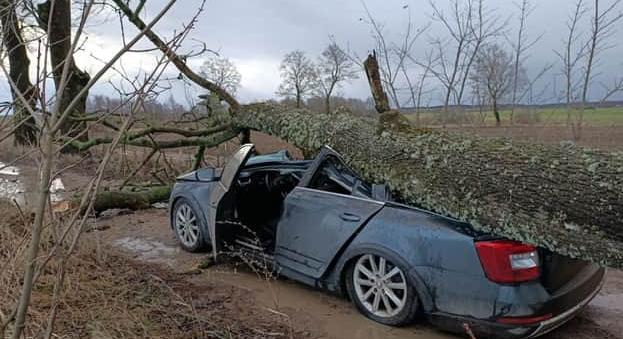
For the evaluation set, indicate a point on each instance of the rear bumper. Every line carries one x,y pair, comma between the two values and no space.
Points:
564,305
559,320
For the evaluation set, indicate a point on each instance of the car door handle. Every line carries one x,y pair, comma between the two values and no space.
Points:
350,217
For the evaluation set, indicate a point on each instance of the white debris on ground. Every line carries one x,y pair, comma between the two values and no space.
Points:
55,190
160,205
11,188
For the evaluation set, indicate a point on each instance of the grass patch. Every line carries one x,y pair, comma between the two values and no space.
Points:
611,116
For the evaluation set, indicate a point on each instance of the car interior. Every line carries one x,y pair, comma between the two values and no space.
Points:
259,196
259,192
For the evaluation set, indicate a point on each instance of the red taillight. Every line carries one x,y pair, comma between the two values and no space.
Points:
508,261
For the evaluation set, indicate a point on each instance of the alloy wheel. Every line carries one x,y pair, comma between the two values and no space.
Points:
380,285
186,225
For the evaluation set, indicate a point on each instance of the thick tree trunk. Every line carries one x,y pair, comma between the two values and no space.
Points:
143,199
298,99
567,199
19,63
60,40
327,103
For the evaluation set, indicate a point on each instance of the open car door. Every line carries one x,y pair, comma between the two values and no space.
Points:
230,173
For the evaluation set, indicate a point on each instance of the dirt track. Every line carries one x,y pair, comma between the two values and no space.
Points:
146,237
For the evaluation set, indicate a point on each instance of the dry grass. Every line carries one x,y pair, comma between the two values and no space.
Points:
109,296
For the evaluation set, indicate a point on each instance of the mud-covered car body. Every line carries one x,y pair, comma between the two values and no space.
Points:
315,220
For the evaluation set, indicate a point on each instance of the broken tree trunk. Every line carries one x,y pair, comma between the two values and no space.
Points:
565,198
373,73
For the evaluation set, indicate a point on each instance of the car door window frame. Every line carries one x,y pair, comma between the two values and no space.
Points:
317,166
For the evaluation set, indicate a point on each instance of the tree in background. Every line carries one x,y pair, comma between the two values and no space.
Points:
19,63
69,84
334,67
520,47
298,76
494,73
580,56
222,72
469,26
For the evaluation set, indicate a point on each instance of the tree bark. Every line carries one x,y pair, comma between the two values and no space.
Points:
106,200
373,73
26,127
59,35
566,199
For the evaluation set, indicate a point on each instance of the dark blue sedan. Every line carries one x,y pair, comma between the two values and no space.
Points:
318,222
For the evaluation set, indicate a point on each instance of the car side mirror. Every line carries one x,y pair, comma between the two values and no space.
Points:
381,192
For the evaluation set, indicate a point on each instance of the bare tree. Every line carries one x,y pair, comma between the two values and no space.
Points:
392,56
298,76
19,63
416,90
581,57
493,72
334,67
603,27
520,46
570,57
54,137
469,25
222,72
458,26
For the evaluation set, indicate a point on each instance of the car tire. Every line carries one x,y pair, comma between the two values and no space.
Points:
188,226
380,288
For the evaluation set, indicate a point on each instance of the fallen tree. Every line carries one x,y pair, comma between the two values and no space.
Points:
565,198
133,200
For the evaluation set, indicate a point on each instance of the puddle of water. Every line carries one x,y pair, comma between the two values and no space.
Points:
8,170
149,250
12,188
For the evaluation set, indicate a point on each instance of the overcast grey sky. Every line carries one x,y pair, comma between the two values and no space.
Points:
255,34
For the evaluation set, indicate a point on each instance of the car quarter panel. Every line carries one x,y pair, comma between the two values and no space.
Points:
442,260
447,272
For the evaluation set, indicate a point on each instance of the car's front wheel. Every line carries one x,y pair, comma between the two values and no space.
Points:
381,290
187,226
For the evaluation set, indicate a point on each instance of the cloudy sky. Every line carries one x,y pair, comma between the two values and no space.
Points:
255,34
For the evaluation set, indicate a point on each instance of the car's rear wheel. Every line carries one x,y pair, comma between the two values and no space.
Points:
381,290
187,226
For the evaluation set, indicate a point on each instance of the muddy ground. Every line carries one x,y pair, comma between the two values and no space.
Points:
145,237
